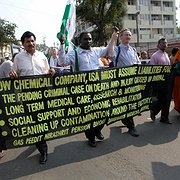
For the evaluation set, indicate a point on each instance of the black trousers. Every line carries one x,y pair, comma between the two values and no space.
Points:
129,122
163,99
42,147
92,132
162,103
2,142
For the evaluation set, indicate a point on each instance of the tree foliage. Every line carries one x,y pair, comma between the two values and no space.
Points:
7,33
41,47
104,14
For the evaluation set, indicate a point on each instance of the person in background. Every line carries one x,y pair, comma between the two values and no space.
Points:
53,60
124,55
104,61
87,59
163,91
144,57
173,53
5,69
176,87
7,56
28,63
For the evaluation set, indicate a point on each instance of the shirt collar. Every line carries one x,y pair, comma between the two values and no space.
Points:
80,50
125,47
31,54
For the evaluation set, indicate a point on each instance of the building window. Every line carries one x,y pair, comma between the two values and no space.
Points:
156,17
155,3
131,2
131,16
168,18
144,16
167,4
159,31
144,29
144,2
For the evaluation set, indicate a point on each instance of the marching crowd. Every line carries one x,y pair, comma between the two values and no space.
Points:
31,62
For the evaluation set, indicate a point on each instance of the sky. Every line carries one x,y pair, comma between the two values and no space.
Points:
42,17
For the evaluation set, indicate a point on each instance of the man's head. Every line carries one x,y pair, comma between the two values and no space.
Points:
85,39
144,55
54,52
28,40
7,56
174,51
125,36
162,44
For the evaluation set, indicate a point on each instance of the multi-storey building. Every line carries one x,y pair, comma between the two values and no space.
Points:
148,20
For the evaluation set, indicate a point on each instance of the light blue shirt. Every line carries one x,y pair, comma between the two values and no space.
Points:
127,57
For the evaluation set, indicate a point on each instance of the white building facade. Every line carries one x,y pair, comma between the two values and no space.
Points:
148,20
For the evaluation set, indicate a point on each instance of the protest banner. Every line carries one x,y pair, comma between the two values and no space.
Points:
62,105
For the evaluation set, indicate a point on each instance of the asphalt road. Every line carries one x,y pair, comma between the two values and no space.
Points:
154,155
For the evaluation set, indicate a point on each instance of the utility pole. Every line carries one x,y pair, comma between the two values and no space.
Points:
137,26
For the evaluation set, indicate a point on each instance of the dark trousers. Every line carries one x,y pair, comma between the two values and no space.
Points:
2,142
92,132
42,147
162,100
129,122
162,103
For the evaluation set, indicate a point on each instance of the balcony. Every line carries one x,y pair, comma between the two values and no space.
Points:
156,36
144,38
144,23
156,9
144,9
130,23
131,9
168,23
156,23
168,9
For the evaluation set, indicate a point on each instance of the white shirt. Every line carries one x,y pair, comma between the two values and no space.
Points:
53,61
5,68
26,64
87,59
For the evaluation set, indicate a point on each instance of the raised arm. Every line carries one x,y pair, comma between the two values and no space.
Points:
113,42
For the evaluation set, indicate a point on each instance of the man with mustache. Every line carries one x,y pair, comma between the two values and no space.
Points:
28,63
163,91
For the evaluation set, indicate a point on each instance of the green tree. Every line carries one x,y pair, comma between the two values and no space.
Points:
7,33
103,14
42,47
